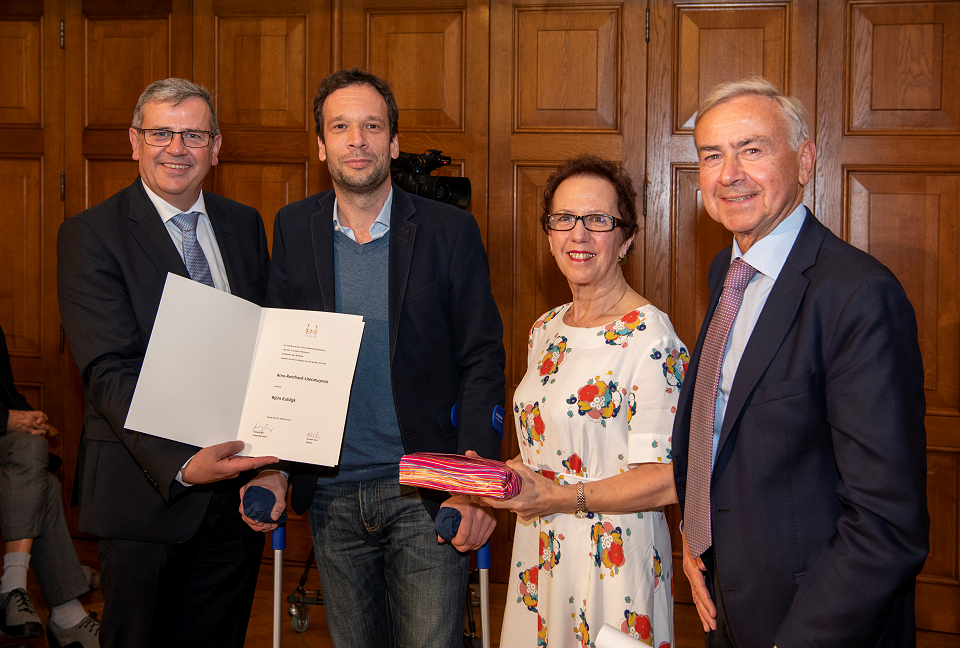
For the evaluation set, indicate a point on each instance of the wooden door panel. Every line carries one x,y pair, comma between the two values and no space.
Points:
422,55
123,56
717,44
262,72
907,220
21,262
938,587
905,60
567,68
20,78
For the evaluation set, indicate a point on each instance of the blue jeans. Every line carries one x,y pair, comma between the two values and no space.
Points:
386,580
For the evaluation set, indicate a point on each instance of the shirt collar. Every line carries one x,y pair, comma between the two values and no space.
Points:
168,211
770,253
379,226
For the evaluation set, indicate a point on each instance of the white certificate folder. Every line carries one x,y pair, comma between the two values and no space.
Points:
219,368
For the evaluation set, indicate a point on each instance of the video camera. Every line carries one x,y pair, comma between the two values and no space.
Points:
412,173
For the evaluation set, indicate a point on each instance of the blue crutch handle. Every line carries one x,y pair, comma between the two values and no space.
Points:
279,538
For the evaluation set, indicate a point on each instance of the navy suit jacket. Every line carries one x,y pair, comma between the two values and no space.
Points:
818,491
446,336
112,262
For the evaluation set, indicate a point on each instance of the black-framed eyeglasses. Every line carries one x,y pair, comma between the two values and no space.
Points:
164,137
563,222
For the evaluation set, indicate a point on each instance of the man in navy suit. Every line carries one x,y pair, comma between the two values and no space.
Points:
179,565
817,493
417,272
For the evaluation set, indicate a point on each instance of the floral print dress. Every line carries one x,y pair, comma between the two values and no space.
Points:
594,402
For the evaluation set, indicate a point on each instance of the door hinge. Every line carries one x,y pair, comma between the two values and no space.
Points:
61,34
645,185
63,188
647,28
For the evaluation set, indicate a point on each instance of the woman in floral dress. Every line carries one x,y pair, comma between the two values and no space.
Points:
594,417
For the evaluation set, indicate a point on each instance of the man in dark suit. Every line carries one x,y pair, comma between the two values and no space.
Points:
812,526
417,272
179,566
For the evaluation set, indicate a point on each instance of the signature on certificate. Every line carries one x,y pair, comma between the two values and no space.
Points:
262,428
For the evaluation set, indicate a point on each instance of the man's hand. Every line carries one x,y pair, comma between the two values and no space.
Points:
476,523
30,422
275,482
218,462
694,568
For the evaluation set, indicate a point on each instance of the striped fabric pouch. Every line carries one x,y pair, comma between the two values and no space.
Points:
459,474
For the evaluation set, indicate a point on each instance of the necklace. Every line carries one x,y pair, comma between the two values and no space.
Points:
619,299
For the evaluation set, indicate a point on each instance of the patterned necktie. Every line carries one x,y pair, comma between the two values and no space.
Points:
697,514
193,256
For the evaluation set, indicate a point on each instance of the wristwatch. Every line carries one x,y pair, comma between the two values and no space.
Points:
581,502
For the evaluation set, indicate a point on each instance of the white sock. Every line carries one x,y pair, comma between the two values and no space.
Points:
15,566
68,614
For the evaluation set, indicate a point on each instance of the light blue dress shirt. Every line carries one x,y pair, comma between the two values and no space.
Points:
768,256
379,227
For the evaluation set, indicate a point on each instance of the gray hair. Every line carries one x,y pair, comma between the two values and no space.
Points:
174,91
792,110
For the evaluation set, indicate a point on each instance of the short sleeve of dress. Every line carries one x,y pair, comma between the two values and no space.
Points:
655,390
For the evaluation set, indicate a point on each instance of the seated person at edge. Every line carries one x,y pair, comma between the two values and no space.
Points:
34,528
594,417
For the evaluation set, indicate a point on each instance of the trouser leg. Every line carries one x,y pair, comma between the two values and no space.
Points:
54,560
23,484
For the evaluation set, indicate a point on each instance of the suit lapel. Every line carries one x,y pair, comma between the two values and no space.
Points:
229,246
321,230
402,237
147,227
775,321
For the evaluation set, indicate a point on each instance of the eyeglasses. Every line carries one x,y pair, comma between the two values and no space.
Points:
164,137
594,222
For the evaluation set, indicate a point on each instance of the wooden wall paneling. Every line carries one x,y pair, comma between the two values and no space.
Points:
888,128
565,78
693,47
31,156
905,60
123,57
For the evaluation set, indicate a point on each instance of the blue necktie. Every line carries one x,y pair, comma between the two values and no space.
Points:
193,256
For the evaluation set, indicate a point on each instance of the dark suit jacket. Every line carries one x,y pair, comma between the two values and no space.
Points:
10,398
112,262
818,491
446,337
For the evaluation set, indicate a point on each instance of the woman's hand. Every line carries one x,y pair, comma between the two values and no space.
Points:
539,496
